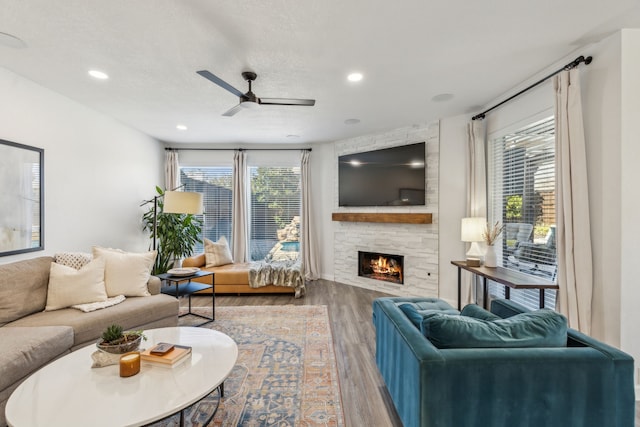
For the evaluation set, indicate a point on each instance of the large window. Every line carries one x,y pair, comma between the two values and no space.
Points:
275,213
522,197
215,185
274,207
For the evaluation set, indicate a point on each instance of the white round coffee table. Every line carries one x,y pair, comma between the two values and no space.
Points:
68,392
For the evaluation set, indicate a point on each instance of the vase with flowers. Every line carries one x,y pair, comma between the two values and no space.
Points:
490,236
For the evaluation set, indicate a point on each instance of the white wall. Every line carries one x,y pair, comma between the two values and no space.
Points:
452,204
630,196
601,100
97,171
611,102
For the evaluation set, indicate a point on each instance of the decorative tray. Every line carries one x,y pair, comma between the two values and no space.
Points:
184,271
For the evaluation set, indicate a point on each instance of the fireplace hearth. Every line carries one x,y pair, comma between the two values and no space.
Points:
379,266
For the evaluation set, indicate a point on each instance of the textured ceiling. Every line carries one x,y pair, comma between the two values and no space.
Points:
409,51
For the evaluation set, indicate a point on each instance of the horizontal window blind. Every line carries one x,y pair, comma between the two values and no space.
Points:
522,196
275,213
215,184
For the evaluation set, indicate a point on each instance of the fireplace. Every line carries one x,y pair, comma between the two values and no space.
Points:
380,266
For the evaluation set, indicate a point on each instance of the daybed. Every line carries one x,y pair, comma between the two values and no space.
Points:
233,278
577,382
30,337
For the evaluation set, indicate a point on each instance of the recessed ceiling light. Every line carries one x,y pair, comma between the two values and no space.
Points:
293,136
354,77
352,121
96,74
181,127
442,97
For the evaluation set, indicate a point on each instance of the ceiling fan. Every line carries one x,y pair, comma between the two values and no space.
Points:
249,99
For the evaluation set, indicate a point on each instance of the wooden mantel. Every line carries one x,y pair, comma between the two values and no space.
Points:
395,218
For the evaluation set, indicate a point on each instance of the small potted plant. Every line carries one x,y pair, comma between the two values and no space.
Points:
115,341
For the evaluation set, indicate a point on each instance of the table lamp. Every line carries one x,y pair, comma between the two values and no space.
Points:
471,231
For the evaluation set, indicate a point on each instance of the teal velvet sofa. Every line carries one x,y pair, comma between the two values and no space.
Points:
585,383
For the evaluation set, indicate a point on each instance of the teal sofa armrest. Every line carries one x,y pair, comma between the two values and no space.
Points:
402,356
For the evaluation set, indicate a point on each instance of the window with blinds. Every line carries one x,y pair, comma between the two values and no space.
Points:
215,184
521,184
275,213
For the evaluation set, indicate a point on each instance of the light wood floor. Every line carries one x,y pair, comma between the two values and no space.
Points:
365,399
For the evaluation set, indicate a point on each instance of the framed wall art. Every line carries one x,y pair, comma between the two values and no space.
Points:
21,198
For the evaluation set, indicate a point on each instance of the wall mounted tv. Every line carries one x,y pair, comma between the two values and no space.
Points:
388,177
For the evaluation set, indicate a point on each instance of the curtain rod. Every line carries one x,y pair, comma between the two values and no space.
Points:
238,149
570,65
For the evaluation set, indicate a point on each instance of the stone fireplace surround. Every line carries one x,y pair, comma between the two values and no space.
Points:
418,243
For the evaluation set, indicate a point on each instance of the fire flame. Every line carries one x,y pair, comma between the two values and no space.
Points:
385,266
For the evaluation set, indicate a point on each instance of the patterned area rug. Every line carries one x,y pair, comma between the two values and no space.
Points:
286,373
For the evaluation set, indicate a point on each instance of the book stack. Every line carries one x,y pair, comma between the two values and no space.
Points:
170,355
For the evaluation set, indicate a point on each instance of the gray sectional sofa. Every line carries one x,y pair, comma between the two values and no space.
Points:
30,337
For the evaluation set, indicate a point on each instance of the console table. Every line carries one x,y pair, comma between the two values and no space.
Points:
509,278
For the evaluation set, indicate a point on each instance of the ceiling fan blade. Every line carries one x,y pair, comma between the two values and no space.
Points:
287,101
217,80
233,110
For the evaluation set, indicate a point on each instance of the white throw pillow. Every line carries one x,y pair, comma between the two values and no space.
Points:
68,286
217,253
126,273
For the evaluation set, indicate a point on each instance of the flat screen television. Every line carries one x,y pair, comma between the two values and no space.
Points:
388,177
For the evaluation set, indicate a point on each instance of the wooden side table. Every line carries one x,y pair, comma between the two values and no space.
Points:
178,286
509,278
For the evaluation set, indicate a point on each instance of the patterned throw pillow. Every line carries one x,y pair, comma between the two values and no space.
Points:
75,260
217,253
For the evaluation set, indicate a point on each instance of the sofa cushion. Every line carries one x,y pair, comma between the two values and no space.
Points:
477,312
68,286
126,273
23,288
231,274
24,350
130,314
417,312
541,328
217,253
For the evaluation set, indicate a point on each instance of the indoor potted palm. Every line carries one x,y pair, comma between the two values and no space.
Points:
176,234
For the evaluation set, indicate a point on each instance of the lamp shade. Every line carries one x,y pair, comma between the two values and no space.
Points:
182,202
472,228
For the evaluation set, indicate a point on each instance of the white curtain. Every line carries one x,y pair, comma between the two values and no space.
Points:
240,223
308,244
476,185
575,278
171,170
